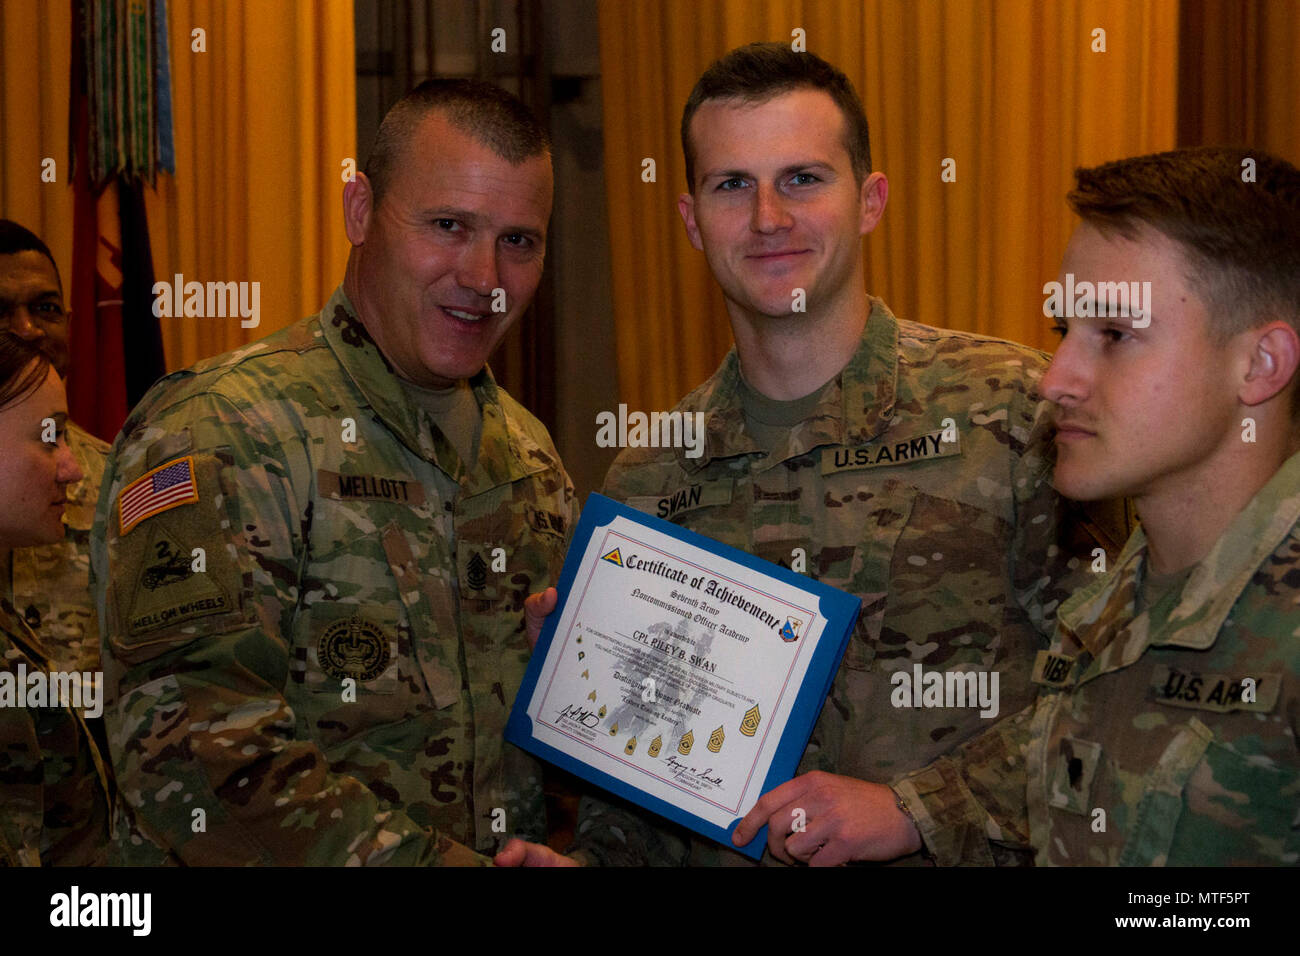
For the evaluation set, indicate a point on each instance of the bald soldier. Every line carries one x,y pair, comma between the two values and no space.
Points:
1165,728
51,583
315,551
905,464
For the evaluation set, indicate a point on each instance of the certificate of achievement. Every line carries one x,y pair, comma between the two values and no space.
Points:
678,672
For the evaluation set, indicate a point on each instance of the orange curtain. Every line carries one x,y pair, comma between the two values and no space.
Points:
35,40
1238,80
264,118
1012,91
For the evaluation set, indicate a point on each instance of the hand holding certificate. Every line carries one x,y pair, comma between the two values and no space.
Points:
678,672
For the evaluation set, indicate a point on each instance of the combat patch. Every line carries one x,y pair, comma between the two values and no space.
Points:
181,567
878,453
1221,693
353,647
167,588
160,489
406,491
1053,670
689,498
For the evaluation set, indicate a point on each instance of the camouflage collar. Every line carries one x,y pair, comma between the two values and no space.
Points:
26,642
860,409
1090,615
503,457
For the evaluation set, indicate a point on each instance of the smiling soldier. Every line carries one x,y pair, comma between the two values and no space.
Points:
308,630
909,465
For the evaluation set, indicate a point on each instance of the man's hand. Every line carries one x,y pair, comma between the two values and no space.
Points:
536,608
823,819
519,853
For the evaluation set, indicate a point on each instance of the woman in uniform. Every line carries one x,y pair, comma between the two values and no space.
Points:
54,783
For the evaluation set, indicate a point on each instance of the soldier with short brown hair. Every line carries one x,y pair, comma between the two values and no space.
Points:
314,551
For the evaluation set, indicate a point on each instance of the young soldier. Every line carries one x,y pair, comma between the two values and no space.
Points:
1165,728
909,464
51,583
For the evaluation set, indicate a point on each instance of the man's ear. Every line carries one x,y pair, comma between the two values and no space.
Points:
358,207
686,206
1274,355
871,202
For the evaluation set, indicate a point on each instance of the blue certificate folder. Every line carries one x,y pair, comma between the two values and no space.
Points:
839,610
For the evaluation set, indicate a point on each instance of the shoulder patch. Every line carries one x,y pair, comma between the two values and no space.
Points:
161,489
178,568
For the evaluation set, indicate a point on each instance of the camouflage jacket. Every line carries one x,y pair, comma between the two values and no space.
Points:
52,582
1148,745
919,483
313,621
54,782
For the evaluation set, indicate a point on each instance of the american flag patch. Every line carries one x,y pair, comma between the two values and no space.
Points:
167,486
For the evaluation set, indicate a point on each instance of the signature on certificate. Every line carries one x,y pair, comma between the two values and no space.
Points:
580,715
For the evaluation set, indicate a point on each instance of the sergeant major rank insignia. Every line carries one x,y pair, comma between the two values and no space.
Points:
353,648
476,572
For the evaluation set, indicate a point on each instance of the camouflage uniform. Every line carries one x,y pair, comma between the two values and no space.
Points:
54,784
1145,716
52,583
345,544
949,544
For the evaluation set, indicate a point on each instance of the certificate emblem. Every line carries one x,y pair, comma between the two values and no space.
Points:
353,648
613,557
790,630
655,745
613,730
715,740
686,743
749,723
630,749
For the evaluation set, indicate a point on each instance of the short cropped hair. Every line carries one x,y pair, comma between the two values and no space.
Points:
481,110
24,363
1237,222
15,239
762,71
